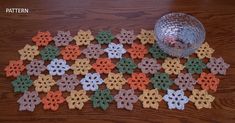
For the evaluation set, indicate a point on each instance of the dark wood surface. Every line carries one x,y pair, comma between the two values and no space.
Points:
16,30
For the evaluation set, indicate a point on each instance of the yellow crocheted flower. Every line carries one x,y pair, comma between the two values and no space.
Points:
81,66
172,66
44,83
28,52
146,36
150,98
83,37
77,99
205,51
115,81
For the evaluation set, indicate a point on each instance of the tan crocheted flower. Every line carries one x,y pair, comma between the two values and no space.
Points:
77,99
150,98
201,99
146,36
205,51
83,37
172,66
44,83
28,52
115,81
81,66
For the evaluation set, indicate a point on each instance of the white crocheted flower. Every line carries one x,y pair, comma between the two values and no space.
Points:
175,99
57,67
91,81
115,50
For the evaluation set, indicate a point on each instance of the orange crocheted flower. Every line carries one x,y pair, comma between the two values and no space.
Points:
70,52
103,65
208,81
137,51
138,81
52,100
42,38
14,68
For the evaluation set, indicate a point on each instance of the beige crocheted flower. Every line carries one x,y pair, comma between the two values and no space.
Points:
77,99
28,52
44,83
115,81
83,37
172,66
81,66
146,36
150,98
205,51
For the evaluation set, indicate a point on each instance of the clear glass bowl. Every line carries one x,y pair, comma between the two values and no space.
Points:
179,34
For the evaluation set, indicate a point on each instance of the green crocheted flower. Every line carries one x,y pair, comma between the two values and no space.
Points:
49,52
22,83
104,37
157,52
102,98
161,81
126,65
195,65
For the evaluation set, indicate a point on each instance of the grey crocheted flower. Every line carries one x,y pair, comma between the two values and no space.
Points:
125,99
149,65
217,66
185,81
62,38
126,37
28,101
35,67
93,51
67,82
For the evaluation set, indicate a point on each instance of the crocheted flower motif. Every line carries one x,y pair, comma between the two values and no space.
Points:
156,52
126,65
172,66
175,99
149,65
14,68
201,99
138,81
217,66
137,51
42,38
91,81
126,37
44,83
185,81
204,51
81,66
150,98
77,99
103,65
28,101
70,52
67,82
49,52
35,67
104,37
93,51
22,83
62,38
83,37
146,36
115,81
115,50
101,99
52,100
125,99
57,67
161,81
28,52
208,81
195,65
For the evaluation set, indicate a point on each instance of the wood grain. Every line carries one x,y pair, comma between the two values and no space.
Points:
218,17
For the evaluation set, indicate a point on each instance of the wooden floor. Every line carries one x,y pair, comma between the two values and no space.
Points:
218,17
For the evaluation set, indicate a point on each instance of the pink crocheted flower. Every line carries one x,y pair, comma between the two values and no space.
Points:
125,99
185,81
35,67
218,66
93,51
67,82
149,65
